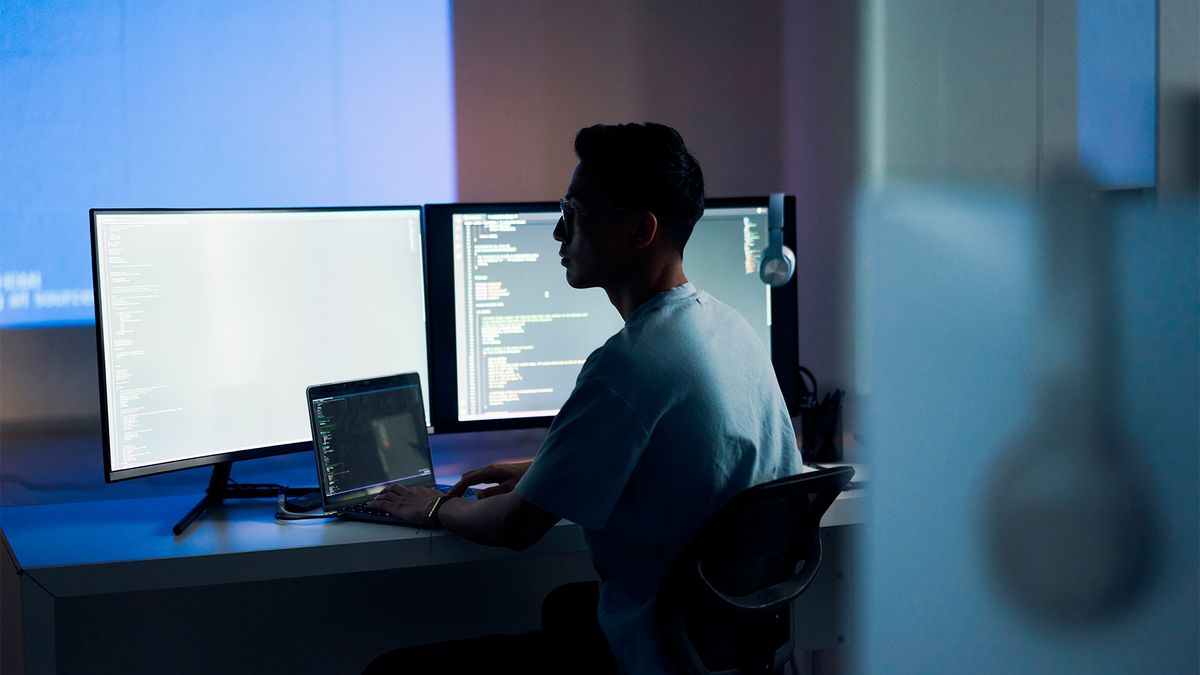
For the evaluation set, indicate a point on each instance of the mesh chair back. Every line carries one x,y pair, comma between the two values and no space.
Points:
724,605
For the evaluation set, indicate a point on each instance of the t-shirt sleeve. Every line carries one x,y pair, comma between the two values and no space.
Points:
593,445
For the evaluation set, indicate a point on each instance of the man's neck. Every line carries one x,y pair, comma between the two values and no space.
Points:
630,296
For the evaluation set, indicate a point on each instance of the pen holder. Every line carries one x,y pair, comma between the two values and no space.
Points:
821,430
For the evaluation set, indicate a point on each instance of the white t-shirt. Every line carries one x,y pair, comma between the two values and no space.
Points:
674,415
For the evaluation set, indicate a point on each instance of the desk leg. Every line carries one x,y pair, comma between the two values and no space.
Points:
37,617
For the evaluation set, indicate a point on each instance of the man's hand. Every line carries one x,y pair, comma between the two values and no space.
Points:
410,503
506,475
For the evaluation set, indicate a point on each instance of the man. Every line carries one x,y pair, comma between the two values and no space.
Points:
669,419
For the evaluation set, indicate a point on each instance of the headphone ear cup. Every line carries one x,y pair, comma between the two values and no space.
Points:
777,270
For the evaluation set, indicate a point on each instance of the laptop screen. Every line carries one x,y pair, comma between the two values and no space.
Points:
368,435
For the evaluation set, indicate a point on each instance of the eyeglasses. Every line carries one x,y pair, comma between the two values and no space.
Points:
569,213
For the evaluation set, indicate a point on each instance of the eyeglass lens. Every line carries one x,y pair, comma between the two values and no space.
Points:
568,215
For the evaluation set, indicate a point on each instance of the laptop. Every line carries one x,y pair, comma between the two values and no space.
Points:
367,435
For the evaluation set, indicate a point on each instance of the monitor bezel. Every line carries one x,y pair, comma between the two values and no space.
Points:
443,367
114,475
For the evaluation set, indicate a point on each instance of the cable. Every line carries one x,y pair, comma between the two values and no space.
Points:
282,512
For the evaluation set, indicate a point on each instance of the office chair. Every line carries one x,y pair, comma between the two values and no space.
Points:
725,604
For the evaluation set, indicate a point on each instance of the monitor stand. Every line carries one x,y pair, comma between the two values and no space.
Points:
221,488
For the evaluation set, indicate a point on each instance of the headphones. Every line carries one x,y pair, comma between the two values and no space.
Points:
778,261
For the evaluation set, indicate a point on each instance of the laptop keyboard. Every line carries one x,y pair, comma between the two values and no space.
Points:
362,508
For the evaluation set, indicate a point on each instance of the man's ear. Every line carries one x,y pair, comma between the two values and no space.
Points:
646,230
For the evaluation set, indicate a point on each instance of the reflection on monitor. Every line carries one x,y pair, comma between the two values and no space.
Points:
522,334
211,324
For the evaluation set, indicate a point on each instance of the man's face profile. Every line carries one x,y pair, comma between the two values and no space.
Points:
591,248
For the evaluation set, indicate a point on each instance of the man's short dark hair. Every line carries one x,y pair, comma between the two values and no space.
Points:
646,167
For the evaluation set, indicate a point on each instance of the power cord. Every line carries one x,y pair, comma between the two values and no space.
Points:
282,512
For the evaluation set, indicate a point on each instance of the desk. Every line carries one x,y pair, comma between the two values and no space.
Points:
105,587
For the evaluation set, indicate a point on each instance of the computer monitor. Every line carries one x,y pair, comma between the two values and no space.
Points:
512,335
211,324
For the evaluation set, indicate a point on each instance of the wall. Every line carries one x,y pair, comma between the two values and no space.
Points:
820,135
531,73
1179,99
49,375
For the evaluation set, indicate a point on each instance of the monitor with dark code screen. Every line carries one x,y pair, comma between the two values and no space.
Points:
512,335
212,323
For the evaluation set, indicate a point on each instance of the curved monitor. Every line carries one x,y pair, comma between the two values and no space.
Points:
512,335
212,323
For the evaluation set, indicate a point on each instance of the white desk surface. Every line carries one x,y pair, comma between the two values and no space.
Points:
86,548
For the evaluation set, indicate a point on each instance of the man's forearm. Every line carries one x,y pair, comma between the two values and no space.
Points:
503,520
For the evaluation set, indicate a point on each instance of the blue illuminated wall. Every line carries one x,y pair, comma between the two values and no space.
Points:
207,103
1118,76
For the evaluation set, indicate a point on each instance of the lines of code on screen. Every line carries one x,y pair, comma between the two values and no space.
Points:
369,439
228,315
523,333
